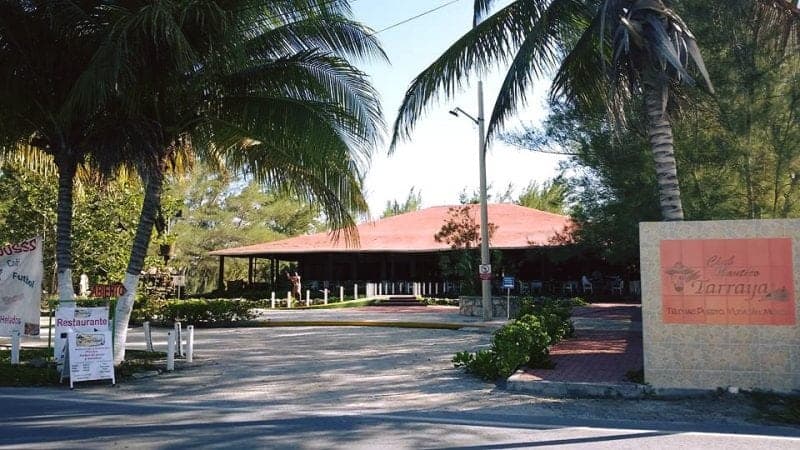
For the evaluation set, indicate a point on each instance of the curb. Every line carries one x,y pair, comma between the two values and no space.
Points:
575,389
364,323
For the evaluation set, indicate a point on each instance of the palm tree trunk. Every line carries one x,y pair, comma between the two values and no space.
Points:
122,312
661,144
67,166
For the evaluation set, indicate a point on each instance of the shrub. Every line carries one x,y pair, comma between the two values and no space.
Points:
555,316
483,363
524,341
198,311
520,342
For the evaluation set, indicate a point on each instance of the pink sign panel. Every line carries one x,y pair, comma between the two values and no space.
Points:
728,281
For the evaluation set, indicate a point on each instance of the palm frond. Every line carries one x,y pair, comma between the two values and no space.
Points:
539,52
489,43
778,23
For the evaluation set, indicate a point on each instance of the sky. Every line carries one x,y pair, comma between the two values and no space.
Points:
441,158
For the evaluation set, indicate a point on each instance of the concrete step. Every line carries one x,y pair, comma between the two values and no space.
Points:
399,300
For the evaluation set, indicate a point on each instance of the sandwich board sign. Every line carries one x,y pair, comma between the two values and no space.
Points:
88,356
77,319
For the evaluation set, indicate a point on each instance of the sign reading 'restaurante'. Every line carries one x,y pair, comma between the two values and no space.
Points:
728,281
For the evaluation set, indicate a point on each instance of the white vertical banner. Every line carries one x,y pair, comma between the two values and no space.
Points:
21,270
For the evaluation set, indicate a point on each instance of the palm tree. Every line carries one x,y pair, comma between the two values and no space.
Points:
44,46
261,85
643,46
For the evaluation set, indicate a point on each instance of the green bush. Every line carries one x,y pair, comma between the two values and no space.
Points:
208,312
482,363
554,314
524,341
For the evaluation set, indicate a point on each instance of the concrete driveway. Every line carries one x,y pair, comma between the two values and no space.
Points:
354,387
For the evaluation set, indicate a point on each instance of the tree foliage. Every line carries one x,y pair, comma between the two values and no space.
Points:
549,196
413,202
222,213
103,221
737,152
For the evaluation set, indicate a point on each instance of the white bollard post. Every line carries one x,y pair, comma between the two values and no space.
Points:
15,347
190,343
178,339
380,288
325,295
341,293
355,292
148,336
308,297
273,300
288,299
170,351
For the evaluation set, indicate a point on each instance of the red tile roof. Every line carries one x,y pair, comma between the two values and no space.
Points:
517,227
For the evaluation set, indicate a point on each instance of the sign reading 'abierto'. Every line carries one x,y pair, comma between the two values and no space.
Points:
728,281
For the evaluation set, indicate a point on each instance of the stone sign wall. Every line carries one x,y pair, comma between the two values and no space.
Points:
472,306
719,304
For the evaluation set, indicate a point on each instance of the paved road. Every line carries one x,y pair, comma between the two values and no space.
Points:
353,387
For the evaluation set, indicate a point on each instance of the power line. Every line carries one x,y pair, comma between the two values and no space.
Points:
424,13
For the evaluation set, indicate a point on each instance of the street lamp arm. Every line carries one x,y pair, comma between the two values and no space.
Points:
455,111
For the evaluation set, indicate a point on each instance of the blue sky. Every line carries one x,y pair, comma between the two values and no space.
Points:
441,158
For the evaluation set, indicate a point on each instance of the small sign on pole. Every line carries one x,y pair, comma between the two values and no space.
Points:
485,271
508,284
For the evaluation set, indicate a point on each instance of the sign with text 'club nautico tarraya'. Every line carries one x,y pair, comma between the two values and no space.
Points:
20,287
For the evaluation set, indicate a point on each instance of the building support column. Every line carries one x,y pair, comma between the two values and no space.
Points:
221,276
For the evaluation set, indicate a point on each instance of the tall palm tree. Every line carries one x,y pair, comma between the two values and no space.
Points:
262,85
44,47
608,51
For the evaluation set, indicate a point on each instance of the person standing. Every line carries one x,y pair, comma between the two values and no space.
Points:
294,279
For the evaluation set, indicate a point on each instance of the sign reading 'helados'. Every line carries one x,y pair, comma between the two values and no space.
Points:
728,281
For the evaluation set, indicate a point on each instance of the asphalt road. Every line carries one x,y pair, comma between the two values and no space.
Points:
354,387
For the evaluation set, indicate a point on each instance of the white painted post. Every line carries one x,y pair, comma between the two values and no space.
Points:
355,292
178,339
392,287
341,293
325,295
272,305
15,347
190,343
380,288
308,297
170,351
288,299
148,336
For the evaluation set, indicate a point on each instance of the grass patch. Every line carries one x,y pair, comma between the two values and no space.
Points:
36,367
345,304
776,407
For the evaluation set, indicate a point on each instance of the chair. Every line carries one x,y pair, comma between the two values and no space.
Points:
586,285
616,286
569,287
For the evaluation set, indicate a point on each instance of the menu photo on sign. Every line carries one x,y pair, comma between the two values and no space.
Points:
90,356
728,281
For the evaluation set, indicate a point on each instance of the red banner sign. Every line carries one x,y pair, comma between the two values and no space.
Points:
728,281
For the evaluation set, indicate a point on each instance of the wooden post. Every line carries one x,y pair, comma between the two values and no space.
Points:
221,277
